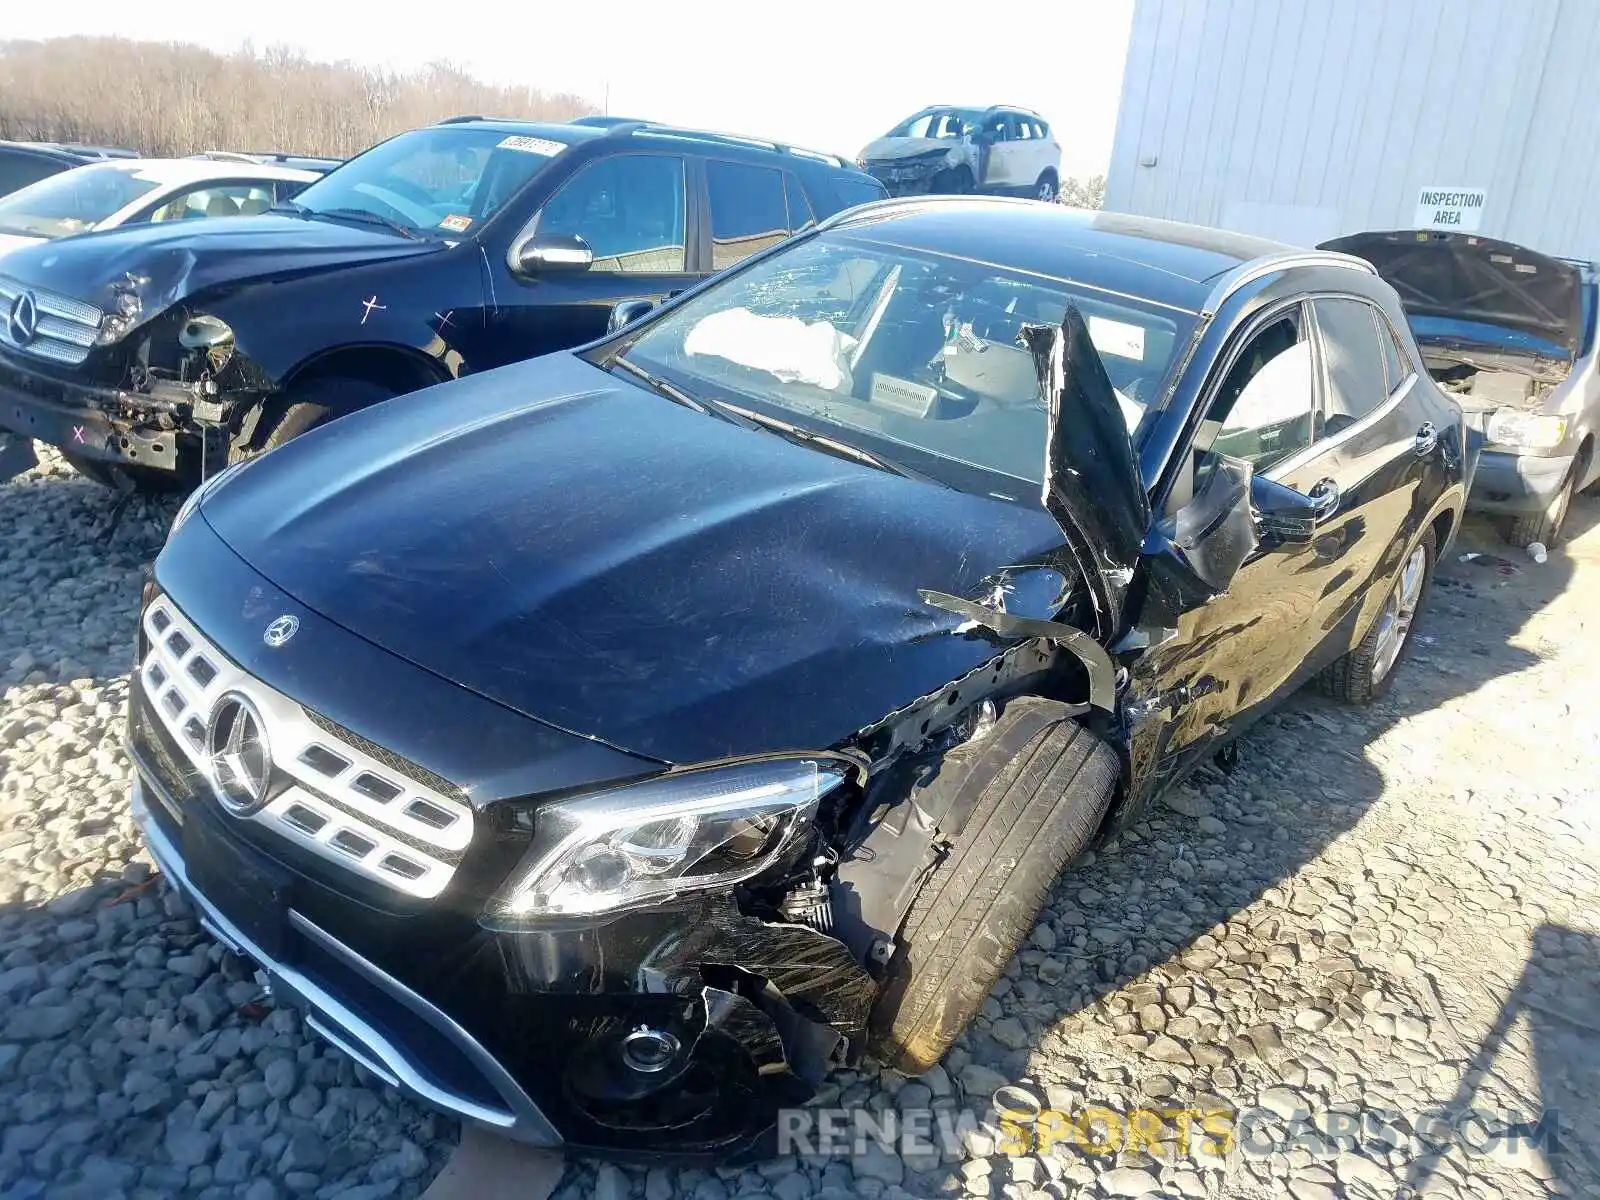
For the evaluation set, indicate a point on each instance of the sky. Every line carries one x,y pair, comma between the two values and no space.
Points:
827,74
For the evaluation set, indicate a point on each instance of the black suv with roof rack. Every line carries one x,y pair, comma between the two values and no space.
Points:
160,353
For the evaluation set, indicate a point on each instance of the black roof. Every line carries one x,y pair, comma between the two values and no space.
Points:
1166,261
576,132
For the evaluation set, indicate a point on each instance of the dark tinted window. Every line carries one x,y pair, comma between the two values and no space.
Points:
800,215
748,210
1395,364
1263,410
1354,360
19,170
629,208
852,190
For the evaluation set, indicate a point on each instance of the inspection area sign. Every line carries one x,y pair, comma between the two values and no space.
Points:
1450,208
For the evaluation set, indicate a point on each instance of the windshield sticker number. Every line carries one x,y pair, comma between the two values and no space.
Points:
902,395
1117,337
455,223
531,145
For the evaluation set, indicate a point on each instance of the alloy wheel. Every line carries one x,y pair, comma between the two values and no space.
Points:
1399,610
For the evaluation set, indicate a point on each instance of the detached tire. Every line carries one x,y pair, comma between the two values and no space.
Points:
303,407
1355,677
1034,813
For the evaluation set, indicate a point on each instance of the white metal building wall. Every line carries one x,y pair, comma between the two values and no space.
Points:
1306,119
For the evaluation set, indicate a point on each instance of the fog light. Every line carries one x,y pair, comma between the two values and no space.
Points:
649,1050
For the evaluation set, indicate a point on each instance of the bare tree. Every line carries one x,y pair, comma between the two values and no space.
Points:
172,99
1084,193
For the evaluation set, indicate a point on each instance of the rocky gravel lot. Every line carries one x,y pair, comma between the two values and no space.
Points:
1377,914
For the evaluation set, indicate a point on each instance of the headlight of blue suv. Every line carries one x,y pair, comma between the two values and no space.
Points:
206,487
1524,431
641,844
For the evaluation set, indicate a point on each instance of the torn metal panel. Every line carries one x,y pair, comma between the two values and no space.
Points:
1092,484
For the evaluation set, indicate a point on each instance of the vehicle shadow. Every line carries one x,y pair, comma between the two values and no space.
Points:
1551,1016
1167,915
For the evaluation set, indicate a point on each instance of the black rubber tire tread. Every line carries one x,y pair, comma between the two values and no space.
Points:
1523,531
304,406
1033,817
1348,678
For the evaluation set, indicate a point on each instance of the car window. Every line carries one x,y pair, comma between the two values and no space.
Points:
628,208
73,201
19,170
801,217
216,200
1353,359
907,350
854,189
1262,412
442,181
748,210
1396,363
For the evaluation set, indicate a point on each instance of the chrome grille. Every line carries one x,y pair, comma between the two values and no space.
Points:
341,802
66,327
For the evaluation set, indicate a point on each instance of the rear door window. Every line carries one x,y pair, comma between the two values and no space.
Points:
1353,361
748,210
801,217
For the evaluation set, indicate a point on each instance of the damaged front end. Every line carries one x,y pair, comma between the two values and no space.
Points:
130,384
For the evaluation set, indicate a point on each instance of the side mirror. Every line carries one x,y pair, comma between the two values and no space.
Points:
1287,517
544,253
626,312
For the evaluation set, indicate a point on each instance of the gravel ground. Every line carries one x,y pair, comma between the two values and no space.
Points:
1378,912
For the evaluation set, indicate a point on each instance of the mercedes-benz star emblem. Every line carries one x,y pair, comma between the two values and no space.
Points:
241,762
23,321
281,630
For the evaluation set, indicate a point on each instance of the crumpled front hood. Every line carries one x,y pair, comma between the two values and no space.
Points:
1459,286
164,263
892,149
597,557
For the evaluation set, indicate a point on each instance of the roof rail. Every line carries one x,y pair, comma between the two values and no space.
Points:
1248,272
657,129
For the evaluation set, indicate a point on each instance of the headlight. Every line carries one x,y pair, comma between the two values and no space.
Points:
1525,431
666,836
200,493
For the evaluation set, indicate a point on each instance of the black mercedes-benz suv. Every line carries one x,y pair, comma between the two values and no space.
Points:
162,352
606,746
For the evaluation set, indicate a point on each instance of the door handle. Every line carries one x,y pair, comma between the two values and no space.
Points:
1427,440
1324,497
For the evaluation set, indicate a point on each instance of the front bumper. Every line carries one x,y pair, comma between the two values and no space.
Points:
365,1028
1511,484
99,423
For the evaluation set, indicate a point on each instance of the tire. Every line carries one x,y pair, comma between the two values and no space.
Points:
303,407
1033,813
1047,190
1365,673
1544,526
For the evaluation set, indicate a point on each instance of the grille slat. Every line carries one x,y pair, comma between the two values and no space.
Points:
341,801
66,328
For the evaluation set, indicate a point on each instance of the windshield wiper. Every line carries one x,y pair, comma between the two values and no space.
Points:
290,207
797,433
660,386
364,217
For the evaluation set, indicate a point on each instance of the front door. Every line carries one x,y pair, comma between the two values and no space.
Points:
1215,661
634,212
